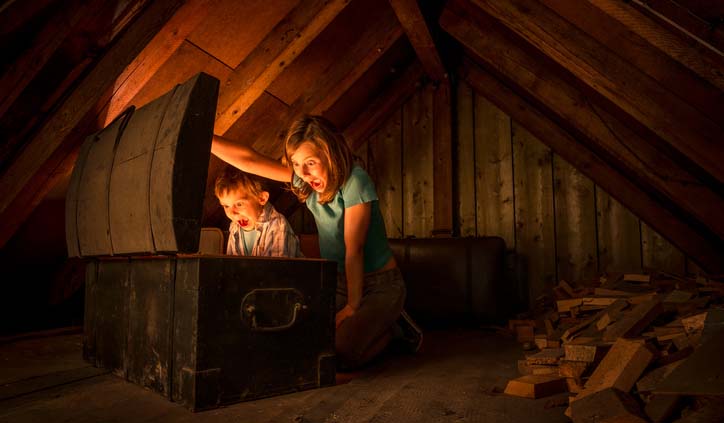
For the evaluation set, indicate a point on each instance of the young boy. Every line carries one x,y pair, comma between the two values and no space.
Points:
256,228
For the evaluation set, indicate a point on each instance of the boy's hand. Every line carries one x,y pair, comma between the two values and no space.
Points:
346,312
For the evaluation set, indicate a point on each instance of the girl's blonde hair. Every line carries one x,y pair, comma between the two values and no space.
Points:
332,149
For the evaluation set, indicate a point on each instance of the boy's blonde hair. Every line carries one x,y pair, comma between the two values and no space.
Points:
331,147
233,179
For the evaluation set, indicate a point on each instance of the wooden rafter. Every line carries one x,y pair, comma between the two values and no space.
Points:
627,91
278,49
413,22
710,255
29,178
689,73
633,154
381,107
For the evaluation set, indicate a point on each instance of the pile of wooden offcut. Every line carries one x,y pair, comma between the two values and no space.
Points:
633,348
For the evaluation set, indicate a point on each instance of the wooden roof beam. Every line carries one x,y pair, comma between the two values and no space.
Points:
413,22
625,90
32,174
641,203
384,104
278,49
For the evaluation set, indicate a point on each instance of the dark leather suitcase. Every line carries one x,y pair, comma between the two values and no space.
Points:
202,330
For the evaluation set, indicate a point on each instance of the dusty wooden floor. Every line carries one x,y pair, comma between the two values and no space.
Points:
456,377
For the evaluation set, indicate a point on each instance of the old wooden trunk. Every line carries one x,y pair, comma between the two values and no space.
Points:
202,330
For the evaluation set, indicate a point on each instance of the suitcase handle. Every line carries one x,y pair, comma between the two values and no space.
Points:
250,309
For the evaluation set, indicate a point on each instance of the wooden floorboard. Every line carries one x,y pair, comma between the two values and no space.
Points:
456,377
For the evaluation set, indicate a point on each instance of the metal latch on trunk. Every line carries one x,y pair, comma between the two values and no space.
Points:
272,309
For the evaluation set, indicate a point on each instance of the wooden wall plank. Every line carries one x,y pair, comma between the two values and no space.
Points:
575,226
442,160
494,183
619,236
659,254
534,234
465,164
385,167
417,158
220,35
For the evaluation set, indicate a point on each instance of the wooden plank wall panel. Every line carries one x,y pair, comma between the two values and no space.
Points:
619,236
465,163
385,168
417,160
659,254
493,172
575,206
534,235
234,27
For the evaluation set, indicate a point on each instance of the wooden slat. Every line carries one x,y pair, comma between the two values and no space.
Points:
641,203
417,140
619,236
678,67
385,166
572,108
17,14
18,74
534,235
465,175
381,107
29,174
575,210
411,18
628,92
659,254
161,47
493,177
442,160
278,49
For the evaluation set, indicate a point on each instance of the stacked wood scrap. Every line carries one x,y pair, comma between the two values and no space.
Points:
631,348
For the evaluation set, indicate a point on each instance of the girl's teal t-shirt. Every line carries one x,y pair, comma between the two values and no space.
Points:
329,217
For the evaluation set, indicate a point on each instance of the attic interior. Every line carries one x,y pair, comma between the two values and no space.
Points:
587,136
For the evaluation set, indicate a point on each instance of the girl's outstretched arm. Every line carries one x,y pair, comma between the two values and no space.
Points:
249,160
356,224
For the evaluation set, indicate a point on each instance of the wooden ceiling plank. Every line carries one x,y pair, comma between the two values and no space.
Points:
384,104
278,49
692,76
612,181
163,45
621,86
79,103
413,22
22,70
17,14
635,155
359,69
676,16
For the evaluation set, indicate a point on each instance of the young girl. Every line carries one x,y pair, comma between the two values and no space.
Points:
343,200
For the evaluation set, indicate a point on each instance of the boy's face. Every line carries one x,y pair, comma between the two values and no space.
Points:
308,165
240,206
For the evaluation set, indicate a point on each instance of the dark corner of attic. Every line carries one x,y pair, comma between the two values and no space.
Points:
549,175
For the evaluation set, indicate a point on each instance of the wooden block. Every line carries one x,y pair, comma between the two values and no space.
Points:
536,386
635,321
525,368
651,380
667,333
567,288
620,368
525,333
678,296
641,298
605,292
634,277
587,353
572,369
574,385
682,342
599,302
661,407
606,406
546,356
